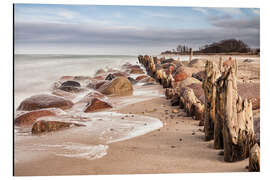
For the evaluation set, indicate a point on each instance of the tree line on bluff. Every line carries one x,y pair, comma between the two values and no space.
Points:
223,46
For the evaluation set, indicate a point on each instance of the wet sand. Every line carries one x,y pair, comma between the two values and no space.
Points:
177,147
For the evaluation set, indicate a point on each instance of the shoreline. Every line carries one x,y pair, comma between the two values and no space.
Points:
177,147
159,151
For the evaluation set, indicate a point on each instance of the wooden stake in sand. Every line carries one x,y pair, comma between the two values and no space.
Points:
238,133
209,86
191,54
254,159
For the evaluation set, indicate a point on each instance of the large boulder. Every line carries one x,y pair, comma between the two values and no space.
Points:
42,126
44,101
189,81
28,118
96,104
118,86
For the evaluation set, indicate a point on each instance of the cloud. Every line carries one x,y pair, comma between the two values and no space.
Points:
201,10
68,34
244,23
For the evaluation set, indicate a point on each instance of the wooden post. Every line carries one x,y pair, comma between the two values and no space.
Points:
254,159
191,54
238,133
209,86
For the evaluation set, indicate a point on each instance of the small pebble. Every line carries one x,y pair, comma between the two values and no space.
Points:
180,139
246,167
176,122
145,124
193,133
122,118
111,129
175,110
173,146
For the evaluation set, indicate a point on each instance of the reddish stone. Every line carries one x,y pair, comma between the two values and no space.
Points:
99,84
44,101
43,126
99,77
228,62
29,118
96,104
136,71
141,77
88,98
118,74
180,76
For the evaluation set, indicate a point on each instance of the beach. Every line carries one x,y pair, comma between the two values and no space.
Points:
142,133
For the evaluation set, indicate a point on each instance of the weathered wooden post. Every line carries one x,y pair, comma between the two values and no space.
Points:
191,54
254,159
209,86
238,133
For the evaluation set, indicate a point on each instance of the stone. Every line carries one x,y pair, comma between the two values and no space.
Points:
196,63
42,126
175,110
141,77
28,118
254,159
199,75
99,78
71,83
64,94
188,70
100,71
96,104
120,74
44,101
132,80
189,81
118,86
178,77
71,89
136,71
110,77
94,94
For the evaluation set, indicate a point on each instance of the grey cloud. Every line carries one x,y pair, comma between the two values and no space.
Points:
253,23
68,34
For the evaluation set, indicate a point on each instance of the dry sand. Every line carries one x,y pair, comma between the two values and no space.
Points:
178,147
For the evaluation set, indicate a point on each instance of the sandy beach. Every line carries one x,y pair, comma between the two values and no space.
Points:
177,147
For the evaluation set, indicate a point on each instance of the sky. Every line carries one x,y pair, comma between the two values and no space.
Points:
130,30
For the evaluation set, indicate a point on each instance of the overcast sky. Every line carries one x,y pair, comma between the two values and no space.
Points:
75,29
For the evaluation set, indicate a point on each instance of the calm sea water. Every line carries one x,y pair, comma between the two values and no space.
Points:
35,74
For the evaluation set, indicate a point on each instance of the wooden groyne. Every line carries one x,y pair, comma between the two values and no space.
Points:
208,93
